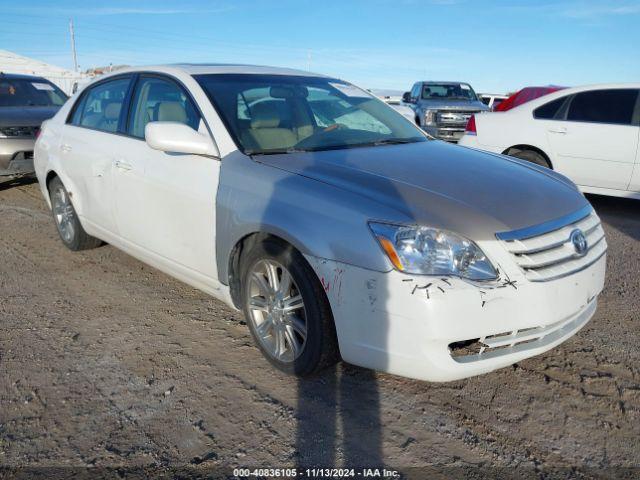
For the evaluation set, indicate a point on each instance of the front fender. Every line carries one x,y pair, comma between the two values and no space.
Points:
316,218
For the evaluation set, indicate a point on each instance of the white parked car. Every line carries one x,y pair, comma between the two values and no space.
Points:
590,134
339,228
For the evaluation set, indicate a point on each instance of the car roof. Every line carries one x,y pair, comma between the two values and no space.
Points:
221,68
442,82
536,102
21,76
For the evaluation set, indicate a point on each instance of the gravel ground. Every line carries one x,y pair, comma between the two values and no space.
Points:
105,362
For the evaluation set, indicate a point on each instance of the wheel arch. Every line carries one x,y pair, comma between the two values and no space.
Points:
51,174
522,147
68,183
244,244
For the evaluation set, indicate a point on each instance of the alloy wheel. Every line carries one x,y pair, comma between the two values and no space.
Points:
63,213
276,310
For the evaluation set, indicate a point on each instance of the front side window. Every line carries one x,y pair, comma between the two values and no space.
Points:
604,106
36,92
548,111
449,91
160,100
415,91
281,114
101,105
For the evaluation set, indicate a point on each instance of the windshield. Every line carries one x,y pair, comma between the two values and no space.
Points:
284,114
456,91
36,92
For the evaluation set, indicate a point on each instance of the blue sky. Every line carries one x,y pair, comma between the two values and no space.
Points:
496,46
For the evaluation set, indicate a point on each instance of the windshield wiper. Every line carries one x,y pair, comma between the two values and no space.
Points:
395,141
278,151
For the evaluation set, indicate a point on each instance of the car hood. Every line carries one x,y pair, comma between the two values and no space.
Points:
455,105
442,185
25,116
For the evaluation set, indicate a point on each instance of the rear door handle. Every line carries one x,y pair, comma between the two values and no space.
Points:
122,165
560,130
65,148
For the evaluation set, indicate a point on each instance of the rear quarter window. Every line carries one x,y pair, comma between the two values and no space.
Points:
550,110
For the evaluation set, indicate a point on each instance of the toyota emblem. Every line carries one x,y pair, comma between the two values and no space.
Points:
579,242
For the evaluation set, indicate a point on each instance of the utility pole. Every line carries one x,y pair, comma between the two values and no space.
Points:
73,46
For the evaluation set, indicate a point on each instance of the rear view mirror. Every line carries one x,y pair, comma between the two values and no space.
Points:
178,138
406,97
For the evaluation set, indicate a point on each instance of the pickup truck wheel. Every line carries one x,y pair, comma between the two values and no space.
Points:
531,156
71,232
286,309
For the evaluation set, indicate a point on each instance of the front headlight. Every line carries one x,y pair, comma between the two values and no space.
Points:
431,251
430,117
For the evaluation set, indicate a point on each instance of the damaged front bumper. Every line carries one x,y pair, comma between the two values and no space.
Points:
443,328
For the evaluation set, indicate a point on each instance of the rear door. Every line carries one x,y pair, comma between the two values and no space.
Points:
87,147
634,184
595,142
165,202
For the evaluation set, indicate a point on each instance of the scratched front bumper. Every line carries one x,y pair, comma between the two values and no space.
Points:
404,324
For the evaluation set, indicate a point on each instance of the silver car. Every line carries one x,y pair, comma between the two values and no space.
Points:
25,102
335,224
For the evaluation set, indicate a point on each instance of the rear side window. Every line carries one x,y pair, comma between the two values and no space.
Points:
160,100
101,105
549,110
604,106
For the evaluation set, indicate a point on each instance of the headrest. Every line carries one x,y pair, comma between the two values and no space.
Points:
112,111
265,115
171,112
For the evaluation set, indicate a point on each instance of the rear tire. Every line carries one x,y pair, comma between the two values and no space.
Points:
297,311
531,156
66,219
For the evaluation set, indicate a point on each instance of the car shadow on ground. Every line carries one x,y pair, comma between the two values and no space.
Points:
339,419
11,182
623,214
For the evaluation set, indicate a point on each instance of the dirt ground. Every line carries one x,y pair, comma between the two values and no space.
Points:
105,362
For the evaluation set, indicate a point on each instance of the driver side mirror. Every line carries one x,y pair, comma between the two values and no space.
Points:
179,138
406,97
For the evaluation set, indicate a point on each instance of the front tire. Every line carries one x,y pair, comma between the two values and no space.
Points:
287,310
66,219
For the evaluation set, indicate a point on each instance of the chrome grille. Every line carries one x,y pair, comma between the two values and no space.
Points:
18,131
547,252
453,117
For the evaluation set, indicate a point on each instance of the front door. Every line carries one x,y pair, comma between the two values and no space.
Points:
597,142
165,202
634,184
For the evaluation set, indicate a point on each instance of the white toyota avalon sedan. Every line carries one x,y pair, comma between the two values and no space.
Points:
590,134
335,224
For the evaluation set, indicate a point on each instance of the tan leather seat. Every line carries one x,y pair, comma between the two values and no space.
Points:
111,115
265,132
171,112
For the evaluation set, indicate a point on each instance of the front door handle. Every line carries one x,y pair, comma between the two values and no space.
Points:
560,130
122,165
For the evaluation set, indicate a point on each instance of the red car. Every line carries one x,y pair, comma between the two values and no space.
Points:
525,95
